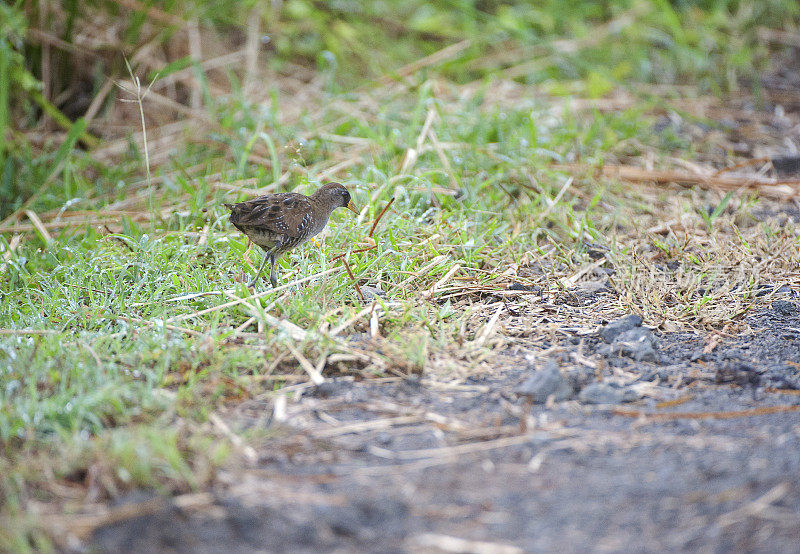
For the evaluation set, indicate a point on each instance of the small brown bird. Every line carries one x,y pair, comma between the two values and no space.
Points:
279,222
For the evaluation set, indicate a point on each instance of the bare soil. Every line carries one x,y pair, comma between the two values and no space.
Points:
465,465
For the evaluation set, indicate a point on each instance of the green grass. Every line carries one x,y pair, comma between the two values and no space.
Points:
107,373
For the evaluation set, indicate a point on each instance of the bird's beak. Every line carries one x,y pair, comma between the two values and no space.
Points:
352,207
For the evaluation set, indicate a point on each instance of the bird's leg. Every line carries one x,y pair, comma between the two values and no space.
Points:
263,264
272,278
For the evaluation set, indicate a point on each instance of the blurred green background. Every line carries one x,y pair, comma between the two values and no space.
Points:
59,59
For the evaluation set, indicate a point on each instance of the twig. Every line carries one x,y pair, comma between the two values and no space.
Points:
705,415
490,326
568,282
343,254
675,402
93,353
755,507
248,451
97,101
377,219
443,54
443,158
336,168
273,377
372,425
279,413
374,321
350,273
37,223
447,543
339,328
316,376
443,280
745,163
461,449
242,327
424,269
152,323
413,153
12,245
782,391
554,202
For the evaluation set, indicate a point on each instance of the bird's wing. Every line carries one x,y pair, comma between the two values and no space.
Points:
285,213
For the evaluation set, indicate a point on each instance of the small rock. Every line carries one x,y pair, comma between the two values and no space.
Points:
326,389
371,293
579,376
520,286
782,383
648,376
786,289
625,323
614,360
698,356
630,395
384,439
593,286
410,385
784,307
544,383
596,251
670,326
787,165
638,344
739,373
600,393
638,334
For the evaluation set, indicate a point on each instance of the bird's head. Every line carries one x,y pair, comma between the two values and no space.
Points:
336,195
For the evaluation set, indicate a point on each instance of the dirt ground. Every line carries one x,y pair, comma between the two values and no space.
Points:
470,465
620,439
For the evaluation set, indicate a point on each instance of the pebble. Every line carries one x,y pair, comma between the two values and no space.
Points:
593,286
738,372
784,307
637,343
520,286
544,383
625,323
603,393
371,293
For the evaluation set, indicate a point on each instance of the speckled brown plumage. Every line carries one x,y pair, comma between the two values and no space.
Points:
279,222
